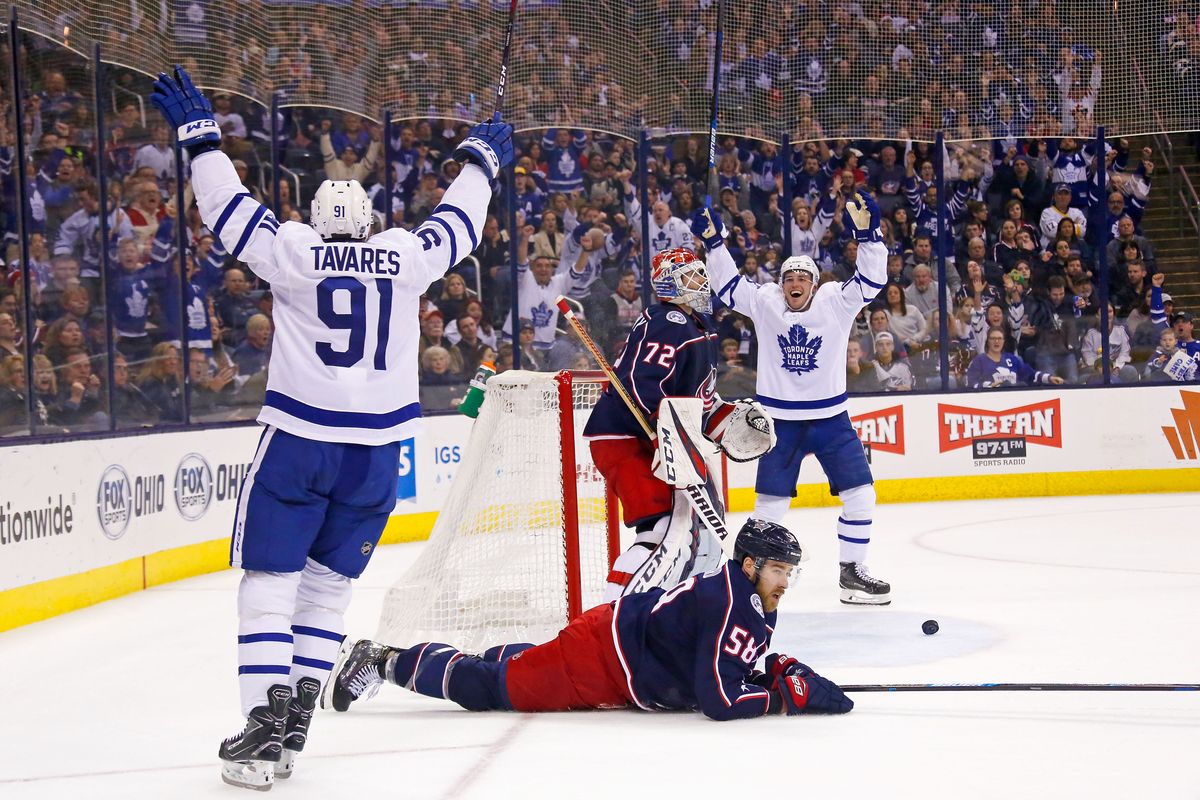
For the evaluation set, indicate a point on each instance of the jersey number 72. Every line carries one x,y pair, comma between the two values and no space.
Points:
354,321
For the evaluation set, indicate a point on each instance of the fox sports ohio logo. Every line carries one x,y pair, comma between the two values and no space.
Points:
193,486
114,501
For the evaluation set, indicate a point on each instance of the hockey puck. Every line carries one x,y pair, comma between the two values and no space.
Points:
930,627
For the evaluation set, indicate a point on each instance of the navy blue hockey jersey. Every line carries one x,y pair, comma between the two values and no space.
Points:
669,353
694,646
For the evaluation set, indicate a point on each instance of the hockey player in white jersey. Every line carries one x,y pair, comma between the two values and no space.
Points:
802,337
341,394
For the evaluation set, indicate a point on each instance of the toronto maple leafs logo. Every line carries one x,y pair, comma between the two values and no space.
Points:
541,314
799,351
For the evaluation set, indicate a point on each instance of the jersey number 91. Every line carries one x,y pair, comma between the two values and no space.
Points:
354,321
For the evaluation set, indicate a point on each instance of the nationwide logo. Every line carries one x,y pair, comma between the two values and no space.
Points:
1183,437
1039,423
193,486
881,430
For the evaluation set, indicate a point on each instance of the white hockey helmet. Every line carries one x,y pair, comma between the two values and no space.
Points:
800,264
341,208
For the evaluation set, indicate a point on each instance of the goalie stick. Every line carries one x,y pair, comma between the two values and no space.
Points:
709,516
503,81
1023,687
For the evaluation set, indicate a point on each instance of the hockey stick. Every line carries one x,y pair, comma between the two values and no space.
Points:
503,81
1024,687
703,508
713,184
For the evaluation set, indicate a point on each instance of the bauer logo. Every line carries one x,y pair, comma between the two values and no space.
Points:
881,430
114,501
193,486
999,437
1183,436
406,483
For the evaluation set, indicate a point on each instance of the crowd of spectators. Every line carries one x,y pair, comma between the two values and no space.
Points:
1013,86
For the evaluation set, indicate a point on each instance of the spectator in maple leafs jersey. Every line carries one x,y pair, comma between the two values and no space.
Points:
802,336
995,367
691,647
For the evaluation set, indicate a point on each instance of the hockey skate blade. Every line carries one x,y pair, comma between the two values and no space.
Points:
256,775
338,663
853,597
287,762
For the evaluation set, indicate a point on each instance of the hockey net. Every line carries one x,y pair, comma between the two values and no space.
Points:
527,534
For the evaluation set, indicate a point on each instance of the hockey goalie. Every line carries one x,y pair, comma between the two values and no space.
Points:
670,353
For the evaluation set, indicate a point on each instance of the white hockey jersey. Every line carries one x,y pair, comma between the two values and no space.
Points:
344,360
539,305
675,233
801,354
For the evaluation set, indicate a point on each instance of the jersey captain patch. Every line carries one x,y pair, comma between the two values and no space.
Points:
799,350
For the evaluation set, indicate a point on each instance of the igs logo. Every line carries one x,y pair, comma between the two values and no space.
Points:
114,502
881,430
193,486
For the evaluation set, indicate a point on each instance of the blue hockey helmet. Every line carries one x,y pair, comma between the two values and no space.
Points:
762,540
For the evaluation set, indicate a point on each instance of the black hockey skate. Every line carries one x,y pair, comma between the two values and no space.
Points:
860,589
357,674
295,733
248,759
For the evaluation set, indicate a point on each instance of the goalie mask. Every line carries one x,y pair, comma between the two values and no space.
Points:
341,208
679,276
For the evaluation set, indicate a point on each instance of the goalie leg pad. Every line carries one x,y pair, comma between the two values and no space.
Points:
630,562
266,602
674,559
318,625
854,523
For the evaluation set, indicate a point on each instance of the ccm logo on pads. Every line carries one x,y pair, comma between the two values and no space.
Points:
1039,423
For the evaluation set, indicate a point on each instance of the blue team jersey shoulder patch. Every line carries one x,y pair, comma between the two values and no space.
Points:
756,602
799,349
677,317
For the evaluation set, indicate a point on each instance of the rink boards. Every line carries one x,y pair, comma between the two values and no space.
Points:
82,522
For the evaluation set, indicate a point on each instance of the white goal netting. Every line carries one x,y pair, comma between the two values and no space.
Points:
499,561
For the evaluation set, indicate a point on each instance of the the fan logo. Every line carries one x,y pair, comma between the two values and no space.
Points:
881,430
997,437
1185,434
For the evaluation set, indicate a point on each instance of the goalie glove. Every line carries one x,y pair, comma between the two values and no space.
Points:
861,218
187,110
488,145
708,227
742,429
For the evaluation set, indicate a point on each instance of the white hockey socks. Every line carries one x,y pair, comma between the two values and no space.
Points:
266,601
854,524
628,563
771,508
318,625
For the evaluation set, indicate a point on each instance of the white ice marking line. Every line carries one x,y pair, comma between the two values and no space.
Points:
487,758
917,541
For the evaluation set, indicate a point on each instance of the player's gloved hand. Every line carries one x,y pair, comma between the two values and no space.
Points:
742,429
806,692
186,109
778,666
708,227
489,145
861,218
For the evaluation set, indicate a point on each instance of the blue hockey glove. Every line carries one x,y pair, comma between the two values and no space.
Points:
811,694
708,227
861,218
489,145
186,109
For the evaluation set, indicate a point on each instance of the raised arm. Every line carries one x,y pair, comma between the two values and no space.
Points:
723,276
861,219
